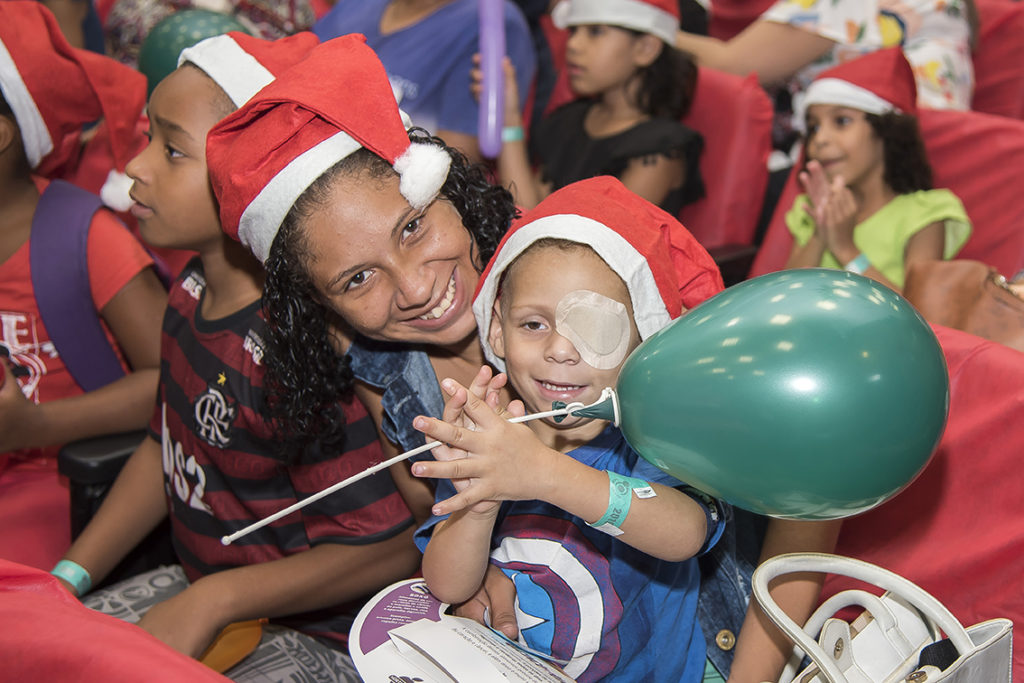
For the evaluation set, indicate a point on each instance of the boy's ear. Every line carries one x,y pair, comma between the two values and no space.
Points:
495,336
646,49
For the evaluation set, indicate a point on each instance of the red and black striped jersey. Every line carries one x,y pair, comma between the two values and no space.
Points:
222,468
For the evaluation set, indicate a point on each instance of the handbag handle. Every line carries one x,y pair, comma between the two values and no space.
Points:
855,569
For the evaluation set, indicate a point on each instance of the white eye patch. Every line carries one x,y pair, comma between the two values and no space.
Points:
597,326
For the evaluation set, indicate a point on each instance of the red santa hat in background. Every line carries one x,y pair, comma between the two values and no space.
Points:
877,83
242,65
54,90
666,270
657,17
335,102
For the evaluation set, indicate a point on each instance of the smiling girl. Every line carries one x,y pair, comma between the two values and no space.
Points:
868,205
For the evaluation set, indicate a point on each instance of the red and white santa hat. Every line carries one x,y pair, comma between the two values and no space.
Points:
334,102
54,89
657,17
242,65
666,270
877,83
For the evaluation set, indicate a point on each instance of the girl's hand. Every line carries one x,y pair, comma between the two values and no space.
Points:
833,208
184,622
17,413
513,110
505,461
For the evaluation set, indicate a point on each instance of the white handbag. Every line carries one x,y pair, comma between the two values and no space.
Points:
897,638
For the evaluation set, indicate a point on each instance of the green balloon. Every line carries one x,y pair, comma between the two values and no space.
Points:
158,55
806,394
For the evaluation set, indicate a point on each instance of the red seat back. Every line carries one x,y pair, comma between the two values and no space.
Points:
973,154
958,530
999,59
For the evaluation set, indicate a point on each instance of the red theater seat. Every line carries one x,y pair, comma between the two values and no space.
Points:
973,154
958,530
999,59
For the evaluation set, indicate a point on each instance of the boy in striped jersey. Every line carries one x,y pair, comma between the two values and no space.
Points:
211,460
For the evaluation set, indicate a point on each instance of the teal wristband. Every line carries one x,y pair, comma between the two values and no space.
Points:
858,265
620,496
512,134
75,574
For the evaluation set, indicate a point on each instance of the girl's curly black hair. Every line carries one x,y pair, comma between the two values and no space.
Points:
306,377
907,168
667,86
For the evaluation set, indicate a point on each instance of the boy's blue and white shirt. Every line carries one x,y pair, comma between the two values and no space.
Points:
613,611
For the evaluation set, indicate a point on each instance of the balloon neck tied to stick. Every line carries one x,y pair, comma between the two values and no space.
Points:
606,407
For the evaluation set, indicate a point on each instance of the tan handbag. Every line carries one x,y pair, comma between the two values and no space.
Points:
970,296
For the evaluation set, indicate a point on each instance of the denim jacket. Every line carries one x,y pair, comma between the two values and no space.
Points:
410,389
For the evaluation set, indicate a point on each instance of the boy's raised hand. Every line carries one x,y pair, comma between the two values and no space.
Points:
504,461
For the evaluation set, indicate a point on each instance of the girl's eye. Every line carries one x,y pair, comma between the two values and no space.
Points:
595,30
172,153
357,280
412,227
842,121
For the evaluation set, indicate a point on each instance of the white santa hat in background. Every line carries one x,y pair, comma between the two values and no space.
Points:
658,17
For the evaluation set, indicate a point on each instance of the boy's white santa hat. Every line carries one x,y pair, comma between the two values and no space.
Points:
877,83
657,17
338,100
242,65
666,270
54,90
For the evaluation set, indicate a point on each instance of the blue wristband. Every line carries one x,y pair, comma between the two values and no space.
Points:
75,574
620,496
858,265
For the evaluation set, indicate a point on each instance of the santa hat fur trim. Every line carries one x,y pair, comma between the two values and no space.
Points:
877,83
657,17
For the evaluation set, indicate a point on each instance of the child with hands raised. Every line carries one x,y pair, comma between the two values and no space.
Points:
868,205
598,542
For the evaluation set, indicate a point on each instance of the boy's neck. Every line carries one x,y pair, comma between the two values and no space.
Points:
234,278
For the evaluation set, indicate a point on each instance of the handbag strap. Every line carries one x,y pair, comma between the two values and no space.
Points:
845,566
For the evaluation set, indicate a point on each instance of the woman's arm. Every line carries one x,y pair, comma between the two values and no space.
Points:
772,50
762,650
322,576
458,554
134,315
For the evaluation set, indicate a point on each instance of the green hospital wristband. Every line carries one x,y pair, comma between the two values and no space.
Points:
75,574
512,134
620,496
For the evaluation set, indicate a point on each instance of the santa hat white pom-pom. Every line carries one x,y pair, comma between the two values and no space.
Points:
423,168
114,192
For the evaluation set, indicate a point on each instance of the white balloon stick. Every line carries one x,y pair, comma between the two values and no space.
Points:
229,539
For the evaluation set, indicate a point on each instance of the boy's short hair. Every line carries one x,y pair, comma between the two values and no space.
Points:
544,243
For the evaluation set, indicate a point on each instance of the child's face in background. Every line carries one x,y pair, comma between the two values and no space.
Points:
600,57
844,143
175,205
542,364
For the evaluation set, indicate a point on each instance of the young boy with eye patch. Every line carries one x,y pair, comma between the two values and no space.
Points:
599,543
